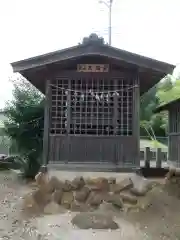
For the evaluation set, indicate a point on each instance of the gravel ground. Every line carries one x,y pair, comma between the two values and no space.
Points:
13,223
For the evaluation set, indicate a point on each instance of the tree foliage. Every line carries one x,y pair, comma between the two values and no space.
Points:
165,91
151,123
25,124
167,94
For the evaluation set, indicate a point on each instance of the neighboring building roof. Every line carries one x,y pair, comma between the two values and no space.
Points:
166,106
92,46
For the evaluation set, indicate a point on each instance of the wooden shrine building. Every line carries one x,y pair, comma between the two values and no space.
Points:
173,109
92,101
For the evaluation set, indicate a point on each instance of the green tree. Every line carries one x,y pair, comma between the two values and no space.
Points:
151,124
167,94
25,125
165,91
148,103
166,84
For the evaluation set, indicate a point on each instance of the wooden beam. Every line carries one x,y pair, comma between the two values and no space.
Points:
115,101
46,127
136,119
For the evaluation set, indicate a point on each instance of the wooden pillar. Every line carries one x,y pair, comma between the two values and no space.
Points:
115,118
68,122
136,120
46,127
115,104
169,138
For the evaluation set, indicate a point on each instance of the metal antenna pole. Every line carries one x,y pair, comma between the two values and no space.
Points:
110,21
109,6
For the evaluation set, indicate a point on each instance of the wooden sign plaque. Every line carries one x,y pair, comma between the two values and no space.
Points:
93,68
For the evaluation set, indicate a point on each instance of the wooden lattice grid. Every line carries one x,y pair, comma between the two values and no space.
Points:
93,106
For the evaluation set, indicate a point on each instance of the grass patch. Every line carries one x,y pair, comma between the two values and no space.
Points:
149,143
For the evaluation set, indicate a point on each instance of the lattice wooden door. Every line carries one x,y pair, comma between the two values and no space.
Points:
92,107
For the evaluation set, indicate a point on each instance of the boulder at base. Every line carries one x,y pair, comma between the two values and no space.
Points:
95,199
98,184
41,179
57,196
116,200
67,199
78,183
79,207
54,184
140,186
123,185
30,205
94,221
82,195
53,208
128,198
36,201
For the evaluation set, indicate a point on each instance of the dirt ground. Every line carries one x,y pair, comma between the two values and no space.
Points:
159,221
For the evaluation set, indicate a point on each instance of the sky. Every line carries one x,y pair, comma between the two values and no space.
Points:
32,27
